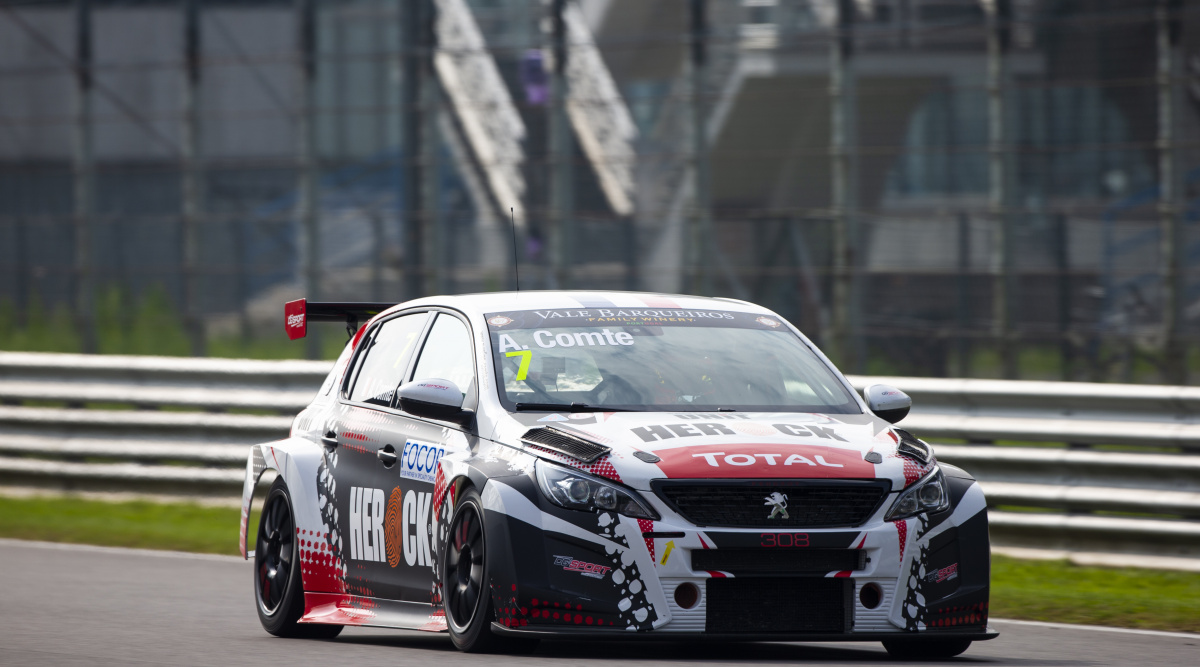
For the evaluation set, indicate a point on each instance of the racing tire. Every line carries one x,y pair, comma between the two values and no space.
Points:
925,649
278,592
466,596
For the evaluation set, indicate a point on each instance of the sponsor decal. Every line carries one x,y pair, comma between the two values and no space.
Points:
778,503
419,461
414,528
809,431
553,418
380,535
751,459
391,527
768,322
670,431
948,573
765,460
548,339
294,321
593,570
667,551
628,317
366,524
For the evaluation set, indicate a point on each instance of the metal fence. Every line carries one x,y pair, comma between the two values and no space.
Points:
1116,469
929,187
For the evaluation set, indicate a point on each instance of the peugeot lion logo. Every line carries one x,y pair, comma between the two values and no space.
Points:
779,502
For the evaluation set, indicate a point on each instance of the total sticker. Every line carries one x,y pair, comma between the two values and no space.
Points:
420,460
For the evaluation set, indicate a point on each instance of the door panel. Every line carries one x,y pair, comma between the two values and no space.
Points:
446,354
388,502
367,491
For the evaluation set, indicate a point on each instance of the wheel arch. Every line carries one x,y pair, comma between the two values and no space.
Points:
294,460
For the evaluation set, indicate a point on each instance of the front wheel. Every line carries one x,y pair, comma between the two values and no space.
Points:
926,649
278,592
466,597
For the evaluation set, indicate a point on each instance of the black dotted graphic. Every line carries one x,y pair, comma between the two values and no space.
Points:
914,611
634,610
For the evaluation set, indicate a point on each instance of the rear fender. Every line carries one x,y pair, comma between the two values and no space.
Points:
301,464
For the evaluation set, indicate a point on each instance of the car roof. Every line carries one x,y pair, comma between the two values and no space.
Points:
481,304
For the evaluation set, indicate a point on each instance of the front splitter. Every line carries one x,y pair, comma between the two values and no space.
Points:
656,635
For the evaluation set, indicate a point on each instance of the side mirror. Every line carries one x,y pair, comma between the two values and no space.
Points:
888,403
434,398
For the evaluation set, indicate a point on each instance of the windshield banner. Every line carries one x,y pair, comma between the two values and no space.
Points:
629,317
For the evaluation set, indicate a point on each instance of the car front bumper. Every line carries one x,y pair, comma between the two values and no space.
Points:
558,572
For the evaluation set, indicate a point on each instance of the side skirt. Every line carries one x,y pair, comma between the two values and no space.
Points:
341,609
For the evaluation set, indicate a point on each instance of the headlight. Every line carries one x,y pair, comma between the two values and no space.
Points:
930,494
575,490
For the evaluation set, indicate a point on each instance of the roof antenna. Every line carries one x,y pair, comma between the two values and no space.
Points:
517,274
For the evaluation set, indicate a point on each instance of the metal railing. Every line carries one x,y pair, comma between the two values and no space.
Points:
1113,468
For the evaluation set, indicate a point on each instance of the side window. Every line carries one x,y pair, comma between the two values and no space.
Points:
447,354
386,358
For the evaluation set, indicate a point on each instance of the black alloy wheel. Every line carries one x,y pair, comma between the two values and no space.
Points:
465,594
464,566
274,552
278,591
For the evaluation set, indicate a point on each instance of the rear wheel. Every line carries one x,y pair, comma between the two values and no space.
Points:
466,597
925,649
278,593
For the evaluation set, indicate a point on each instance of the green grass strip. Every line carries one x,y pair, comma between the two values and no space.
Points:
1124,597
140,524
1026,589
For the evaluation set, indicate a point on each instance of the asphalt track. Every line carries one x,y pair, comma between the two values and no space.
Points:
64,605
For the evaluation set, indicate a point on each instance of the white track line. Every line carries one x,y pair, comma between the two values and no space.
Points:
88,548
1098,628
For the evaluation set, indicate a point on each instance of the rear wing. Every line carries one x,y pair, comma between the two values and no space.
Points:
297,314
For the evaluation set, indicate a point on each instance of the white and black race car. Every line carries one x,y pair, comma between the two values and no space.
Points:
515,466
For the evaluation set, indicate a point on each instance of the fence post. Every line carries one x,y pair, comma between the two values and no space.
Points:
411,145
438,278
701,237
845,331
191,185
1062,257
999,16
964,295
1168,24
84,179
562,153
307,158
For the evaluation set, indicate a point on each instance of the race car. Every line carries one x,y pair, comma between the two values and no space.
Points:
509,467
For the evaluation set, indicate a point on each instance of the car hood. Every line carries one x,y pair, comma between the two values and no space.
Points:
725,445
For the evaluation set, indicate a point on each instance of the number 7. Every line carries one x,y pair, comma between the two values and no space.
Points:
526,357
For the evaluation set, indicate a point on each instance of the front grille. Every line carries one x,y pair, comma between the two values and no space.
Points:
791,605
567,443
778,561
748,503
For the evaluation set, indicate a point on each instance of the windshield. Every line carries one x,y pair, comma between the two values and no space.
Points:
659,360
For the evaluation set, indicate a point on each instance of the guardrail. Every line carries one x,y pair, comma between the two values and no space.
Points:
180,427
